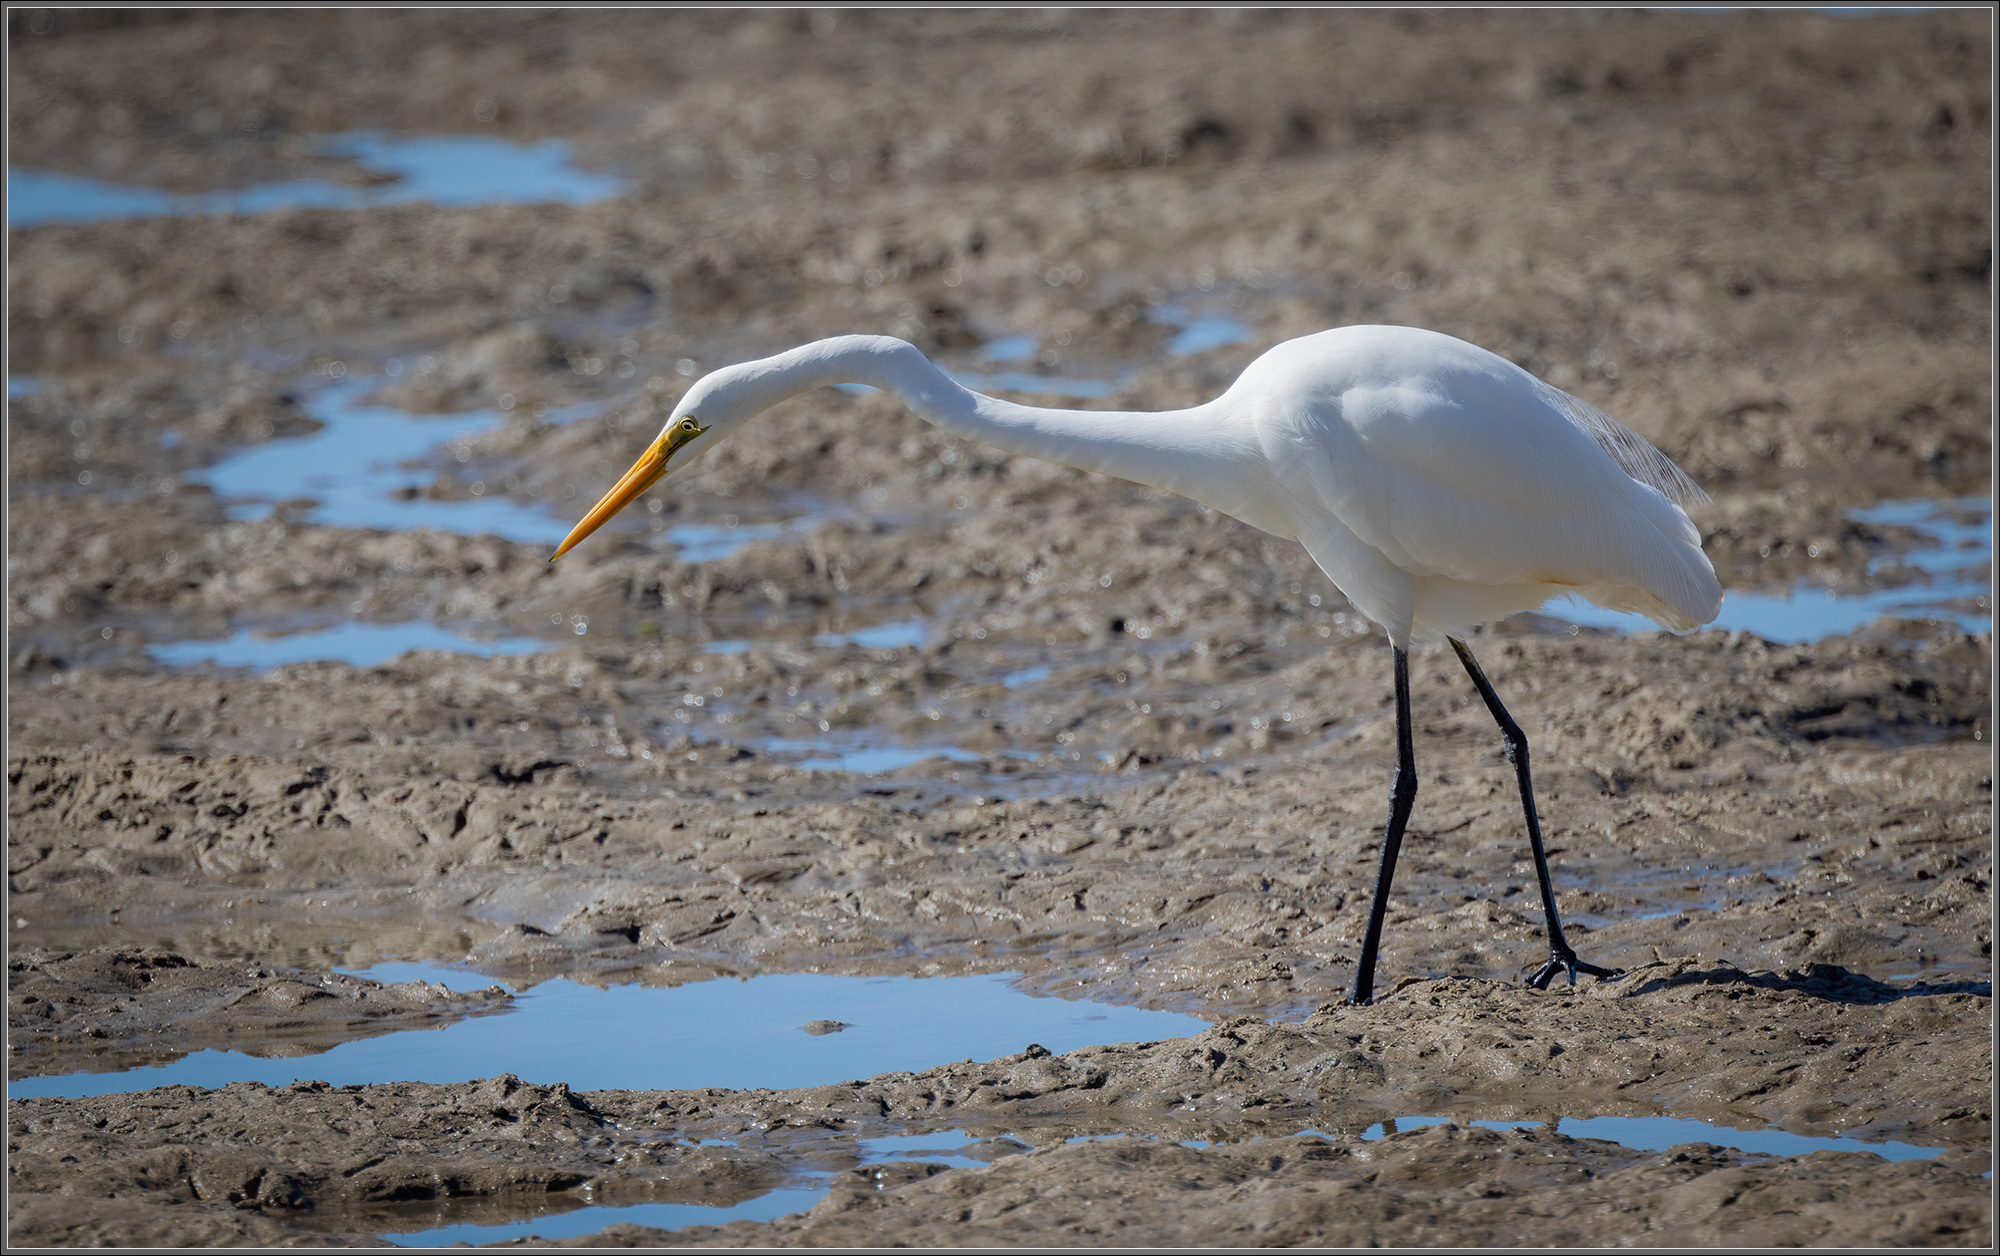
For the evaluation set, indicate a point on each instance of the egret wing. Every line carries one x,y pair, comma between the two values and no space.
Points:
1482,483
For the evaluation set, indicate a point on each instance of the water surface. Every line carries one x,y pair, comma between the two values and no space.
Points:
1200,333
1947,579
744,1034
1657,1133
353,472
1650,1133
556,1224
354,643
711,542
444,170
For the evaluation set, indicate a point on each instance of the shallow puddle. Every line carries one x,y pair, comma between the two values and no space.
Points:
356,644
823,756
1026,676
352,475
1200,333
865,752
776,1032
1950,580
1028,382
709,542
894,636
1194,333
473,169
1647,1133
985,378
1641,1133
1657,1133
365,468
936,1147
438,169
586,1219
1962,529
909,632
1008,349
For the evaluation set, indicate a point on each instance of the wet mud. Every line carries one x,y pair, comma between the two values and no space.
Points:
851,696
144,1008
1277,1114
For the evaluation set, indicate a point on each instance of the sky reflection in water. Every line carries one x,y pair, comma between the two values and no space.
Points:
739,1034
445,170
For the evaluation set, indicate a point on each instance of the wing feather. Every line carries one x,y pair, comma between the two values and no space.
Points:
1634,454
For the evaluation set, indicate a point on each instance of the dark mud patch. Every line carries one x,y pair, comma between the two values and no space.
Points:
110,1010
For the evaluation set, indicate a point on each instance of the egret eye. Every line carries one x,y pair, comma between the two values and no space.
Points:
689,426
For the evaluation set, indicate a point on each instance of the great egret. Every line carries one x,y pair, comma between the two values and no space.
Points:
1438,485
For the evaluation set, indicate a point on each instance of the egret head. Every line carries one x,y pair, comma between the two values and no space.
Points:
717,402
681,431
720,400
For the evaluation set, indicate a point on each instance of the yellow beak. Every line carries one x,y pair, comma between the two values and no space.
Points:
651,466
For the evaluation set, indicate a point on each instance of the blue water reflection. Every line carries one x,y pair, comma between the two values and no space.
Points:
1008,349
557,1225
1201,332
1953,584
937,1147
865,761
742,1035
1657,1133
895,636
1962,529
350,470
1023,381
474,169
356,644
880,637
35,197
1638,1133
445,170
1195,333
709,542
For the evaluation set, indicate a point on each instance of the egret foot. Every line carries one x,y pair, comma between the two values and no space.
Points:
1565,960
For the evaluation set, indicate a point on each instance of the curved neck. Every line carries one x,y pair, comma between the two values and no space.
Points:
1193,452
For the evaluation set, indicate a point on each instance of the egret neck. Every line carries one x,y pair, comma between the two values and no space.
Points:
1194,452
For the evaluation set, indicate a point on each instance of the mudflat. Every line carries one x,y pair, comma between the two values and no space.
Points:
853,697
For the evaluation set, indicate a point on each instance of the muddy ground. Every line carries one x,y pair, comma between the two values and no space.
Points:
1763,240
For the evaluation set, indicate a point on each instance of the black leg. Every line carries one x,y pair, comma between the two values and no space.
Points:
1401,799
1561,957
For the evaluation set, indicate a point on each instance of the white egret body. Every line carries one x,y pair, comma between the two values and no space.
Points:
1438,485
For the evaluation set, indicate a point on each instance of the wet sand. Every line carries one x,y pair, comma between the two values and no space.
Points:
1140,750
